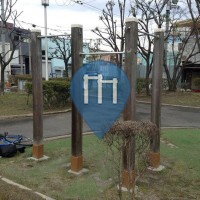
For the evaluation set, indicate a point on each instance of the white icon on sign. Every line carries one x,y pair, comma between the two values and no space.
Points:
100,81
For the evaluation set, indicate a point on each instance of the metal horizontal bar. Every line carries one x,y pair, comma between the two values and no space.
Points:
102,53
51,36
149,34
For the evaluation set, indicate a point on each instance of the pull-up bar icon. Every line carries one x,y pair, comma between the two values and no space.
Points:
100,81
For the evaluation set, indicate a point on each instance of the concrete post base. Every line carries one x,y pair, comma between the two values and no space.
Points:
128,179
38,151
154,159
76,163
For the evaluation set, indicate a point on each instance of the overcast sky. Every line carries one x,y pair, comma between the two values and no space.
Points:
61,14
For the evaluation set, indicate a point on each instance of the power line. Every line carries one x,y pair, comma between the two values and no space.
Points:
34,25
87,5
65,3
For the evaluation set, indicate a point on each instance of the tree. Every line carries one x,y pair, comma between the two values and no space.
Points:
94,46
7,31
153,11
183,42
149,14
195,17
112,35
62,50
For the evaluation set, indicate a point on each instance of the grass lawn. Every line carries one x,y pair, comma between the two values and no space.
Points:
180,179
16,103
176,98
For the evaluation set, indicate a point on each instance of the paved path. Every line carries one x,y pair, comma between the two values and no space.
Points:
60,124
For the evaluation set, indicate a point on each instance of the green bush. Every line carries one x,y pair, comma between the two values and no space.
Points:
13,79
197,82
55,93
60,79
141,83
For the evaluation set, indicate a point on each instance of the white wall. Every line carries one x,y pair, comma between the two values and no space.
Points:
44,68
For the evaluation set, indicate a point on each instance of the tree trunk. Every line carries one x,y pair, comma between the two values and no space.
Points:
2,81
172,85
147,85
147,80
66,70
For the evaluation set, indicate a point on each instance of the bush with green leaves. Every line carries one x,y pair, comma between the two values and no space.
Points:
197,82
13,79
56,93
141,83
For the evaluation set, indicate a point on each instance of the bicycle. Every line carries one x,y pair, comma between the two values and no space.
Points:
10,144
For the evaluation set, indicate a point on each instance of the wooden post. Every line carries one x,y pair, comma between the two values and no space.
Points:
131,38
154,156
77,62
36,63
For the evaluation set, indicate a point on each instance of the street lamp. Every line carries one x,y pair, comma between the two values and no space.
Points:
170,4
45,3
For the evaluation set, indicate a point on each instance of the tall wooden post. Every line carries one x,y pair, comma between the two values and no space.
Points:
77,61
36,63
154,156
131,38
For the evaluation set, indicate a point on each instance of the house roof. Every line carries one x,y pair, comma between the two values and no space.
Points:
190,65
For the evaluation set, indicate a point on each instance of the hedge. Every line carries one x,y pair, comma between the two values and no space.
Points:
197,82
55,93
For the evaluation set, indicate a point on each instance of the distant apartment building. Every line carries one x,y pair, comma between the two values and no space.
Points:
21,62
190,61
56,66
20,38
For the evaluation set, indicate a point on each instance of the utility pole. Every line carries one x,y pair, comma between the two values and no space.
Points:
20,54
168,8
170,4
45,3
3,39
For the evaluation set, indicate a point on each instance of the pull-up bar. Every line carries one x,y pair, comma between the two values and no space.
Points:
102,53
51,36
148,34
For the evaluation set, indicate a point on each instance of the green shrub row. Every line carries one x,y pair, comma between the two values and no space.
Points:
141,84
55,93
13,79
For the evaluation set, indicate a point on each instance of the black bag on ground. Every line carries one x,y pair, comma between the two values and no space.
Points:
8,150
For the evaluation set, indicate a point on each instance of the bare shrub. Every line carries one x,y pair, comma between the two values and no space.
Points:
129,142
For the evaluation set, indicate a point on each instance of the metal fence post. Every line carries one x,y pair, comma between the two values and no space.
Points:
77,62
154,156
36,63
131,39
